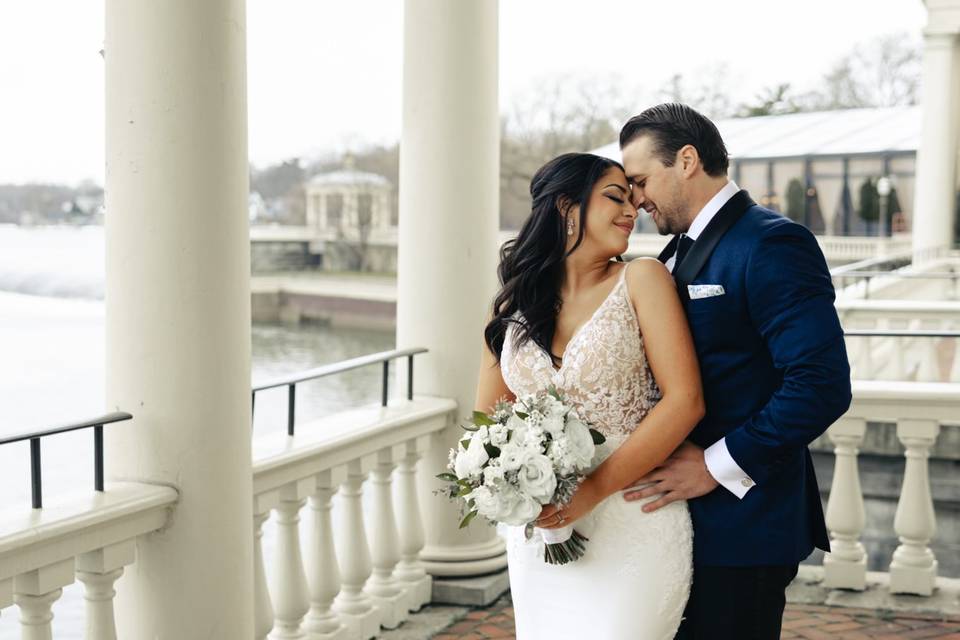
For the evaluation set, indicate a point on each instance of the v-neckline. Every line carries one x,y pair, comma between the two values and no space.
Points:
576,332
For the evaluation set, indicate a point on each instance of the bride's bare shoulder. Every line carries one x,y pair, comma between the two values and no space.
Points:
644,272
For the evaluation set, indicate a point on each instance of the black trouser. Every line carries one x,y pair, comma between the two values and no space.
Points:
736,603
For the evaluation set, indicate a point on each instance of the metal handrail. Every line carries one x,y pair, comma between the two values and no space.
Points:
36,480
896,333
950,275
899,259
291,381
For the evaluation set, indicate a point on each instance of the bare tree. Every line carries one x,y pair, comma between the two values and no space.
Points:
558,115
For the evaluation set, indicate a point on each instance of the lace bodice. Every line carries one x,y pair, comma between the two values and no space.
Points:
604,373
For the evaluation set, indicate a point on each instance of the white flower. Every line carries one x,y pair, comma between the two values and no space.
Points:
505,504
559,454
493,473
516,424
553,424
579,443
498,434
536,477
483,433
451,458
553,408
511,455
469,462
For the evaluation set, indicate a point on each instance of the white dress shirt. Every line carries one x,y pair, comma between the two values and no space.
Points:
720,463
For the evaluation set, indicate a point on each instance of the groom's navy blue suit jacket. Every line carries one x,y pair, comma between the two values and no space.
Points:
775,376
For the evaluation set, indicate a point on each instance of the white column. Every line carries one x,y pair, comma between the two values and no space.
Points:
323,572
845,567
449,162
388,594
410,570
98,571
936,181
355,608
291,595
914,567
35,592
178,307
263,607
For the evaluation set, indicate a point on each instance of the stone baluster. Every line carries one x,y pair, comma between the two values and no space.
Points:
262,606
355,608
914,567
845,566
6,593
323,572
290,592
98,571
385,591
410,571
867,367
35,592
954,375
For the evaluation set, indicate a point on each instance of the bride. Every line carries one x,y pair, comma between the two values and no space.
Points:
612,337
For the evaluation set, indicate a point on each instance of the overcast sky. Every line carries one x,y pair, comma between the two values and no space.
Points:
326,74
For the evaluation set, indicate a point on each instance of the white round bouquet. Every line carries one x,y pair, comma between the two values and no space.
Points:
526,454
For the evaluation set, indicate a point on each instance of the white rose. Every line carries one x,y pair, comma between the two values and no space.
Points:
514,507
579,443
469,463
536,477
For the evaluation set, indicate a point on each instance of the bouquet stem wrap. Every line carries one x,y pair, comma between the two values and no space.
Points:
562,545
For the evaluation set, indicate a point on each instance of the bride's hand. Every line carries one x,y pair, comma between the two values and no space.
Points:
584,500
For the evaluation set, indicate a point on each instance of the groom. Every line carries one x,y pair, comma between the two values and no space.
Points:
759,299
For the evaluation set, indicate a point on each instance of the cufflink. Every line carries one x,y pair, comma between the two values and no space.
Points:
747,482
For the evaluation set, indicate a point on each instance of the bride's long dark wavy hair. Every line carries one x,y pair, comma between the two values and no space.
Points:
531,265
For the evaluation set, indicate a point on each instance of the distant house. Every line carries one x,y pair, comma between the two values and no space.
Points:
831,154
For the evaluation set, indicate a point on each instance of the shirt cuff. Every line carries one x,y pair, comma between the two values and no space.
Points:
725,470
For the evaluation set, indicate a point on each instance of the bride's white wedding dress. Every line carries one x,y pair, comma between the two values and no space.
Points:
634,580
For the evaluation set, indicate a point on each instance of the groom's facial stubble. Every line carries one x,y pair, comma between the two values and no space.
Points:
655,187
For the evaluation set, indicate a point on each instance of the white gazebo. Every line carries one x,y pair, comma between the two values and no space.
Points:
350,214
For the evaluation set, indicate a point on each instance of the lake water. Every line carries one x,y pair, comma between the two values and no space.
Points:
52,371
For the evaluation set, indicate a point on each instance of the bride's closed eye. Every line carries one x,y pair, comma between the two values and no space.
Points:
615,199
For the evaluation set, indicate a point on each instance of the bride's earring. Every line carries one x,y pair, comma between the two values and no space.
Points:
569,226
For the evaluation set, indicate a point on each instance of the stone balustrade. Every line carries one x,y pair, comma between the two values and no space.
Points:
918,410
90,538
906,358
361,570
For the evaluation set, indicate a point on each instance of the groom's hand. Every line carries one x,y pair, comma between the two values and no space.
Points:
682,476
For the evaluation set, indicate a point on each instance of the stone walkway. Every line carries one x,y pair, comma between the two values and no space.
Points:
811,622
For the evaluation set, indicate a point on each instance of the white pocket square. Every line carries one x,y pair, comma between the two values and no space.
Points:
697,291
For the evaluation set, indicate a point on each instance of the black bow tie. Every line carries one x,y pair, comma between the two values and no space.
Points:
683,246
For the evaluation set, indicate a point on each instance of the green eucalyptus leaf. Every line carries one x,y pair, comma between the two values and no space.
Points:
480,418
466,520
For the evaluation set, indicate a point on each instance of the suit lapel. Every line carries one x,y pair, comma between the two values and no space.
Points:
669,250
700,251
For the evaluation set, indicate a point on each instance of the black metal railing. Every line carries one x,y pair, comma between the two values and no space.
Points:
36,479
291,381
898,333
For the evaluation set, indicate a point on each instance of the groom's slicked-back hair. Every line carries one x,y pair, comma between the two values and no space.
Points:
672,126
